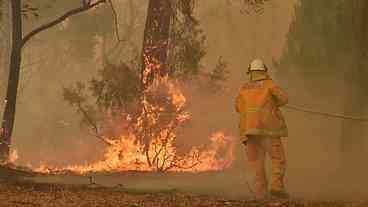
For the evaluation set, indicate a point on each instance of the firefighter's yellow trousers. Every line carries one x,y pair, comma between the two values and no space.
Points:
256,149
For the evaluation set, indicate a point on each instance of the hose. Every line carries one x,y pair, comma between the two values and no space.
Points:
334,115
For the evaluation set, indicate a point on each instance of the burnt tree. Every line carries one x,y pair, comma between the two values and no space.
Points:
11,93
156,40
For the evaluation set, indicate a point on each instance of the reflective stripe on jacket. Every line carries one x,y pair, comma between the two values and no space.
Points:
258,104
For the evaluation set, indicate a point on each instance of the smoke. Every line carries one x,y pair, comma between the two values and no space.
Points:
313,148
47,129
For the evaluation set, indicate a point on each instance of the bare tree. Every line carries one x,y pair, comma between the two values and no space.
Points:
18,42
5,37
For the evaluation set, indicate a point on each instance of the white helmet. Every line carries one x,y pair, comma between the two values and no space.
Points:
257,65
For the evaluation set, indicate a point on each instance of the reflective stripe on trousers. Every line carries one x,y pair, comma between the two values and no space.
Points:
256,149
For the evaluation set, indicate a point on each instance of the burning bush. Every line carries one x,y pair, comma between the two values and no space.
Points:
140,129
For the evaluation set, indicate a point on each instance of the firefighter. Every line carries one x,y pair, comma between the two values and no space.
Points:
261,127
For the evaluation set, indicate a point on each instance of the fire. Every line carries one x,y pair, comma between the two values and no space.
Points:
149,145
13,156
128,155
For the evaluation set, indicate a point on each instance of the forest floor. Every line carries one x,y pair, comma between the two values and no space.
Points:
44,195
16,192
28,194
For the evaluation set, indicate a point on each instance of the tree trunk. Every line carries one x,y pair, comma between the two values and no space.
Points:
13,79
154,52
155,40
5,49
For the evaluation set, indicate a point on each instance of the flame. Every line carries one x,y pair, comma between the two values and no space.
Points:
140,149
149,143
13,157
127,154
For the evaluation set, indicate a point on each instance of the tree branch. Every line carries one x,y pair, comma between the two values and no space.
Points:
93,125
84,7
115,21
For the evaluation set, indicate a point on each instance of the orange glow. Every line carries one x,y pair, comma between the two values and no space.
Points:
130,152
149,144
13,156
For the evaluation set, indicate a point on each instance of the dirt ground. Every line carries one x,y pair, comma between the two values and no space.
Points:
31,195
27,189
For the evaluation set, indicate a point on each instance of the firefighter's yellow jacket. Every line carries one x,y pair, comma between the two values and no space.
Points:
258,104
